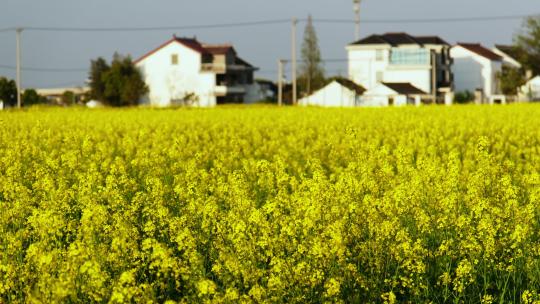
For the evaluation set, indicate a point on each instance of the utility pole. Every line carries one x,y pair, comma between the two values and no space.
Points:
356,4
19,31
281,62
434,76
293,57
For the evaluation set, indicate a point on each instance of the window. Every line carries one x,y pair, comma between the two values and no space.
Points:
379,76
174,59
410,57
379,55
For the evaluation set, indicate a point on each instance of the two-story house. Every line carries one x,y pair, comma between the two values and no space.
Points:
422,61
184,71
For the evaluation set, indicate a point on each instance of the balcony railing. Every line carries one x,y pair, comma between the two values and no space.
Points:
223,68
222,90
212,67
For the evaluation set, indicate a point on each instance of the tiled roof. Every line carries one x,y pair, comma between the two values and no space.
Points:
509,50
351,85
191,43
218,49
478,49
241,61
395,39
431,40
404,88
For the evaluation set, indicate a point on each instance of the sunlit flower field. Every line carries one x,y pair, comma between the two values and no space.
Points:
270,205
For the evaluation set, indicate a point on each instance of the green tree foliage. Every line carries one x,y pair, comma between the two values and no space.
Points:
123,82
68,98
30,97
98,68
511,79
464,97
8,91
311,76
528,45
120,84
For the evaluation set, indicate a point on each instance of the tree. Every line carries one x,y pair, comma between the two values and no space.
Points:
98,68
464,97
120,84
30,97
8,91
68,98
311,76
528,45
511,79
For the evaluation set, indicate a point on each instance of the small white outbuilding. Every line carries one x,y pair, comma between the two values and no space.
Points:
340,92
530,91
94,104
392,94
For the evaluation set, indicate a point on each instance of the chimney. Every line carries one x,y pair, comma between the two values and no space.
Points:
529,74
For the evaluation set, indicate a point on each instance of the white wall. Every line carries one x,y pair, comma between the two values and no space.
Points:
419,77
332,95
531,90
363,68
167,82
363,64
472,71
380,95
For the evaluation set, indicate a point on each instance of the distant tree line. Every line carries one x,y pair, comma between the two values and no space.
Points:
8,94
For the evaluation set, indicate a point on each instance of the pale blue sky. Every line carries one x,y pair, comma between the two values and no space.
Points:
261,45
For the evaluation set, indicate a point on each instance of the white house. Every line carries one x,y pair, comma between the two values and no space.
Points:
508,54
422,61
338,93
530,91
184,71
393,94
475,69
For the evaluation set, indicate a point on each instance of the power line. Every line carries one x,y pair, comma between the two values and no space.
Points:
264,22
158,28
428,20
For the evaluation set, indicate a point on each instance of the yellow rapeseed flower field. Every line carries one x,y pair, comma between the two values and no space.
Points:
270,205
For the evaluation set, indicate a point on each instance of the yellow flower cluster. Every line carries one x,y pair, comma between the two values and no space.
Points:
267,205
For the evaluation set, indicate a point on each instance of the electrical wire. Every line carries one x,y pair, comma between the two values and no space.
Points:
264,22
158,28
428,20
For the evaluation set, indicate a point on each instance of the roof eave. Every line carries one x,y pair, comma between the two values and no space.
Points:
143,57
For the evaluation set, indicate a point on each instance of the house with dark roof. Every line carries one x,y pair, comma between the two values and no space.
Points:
475,70
340,92
393,94
185,71
422,61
